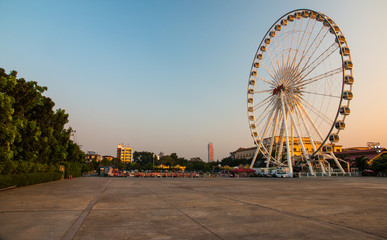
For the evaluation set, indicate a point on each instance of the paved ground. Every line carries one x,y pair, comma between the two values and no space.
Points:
251,208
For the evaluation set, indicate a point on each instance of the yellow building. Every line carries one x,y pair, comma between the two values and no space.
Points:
295,146
125,153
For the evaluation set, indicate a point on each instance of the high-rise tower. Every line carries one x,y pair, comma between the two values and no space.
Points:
210,152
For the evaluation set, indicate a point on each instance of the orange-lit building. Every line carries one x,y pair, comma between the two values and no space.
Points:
125,153
296,148
210,152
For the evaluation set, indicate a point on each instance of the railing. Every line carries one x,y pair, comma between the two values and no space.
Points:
328,174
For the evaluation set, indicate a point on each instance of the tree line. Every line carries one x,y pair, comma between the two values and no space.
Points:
148,161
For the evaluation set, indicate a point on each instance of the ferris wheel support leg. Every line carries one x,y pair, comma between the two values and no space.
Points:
337,163
310,168
254,158
329,168
348,167
306,155
322,167
287,137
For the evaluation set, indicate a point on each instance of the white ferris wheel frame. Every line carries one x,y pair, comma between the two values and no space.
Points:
282,111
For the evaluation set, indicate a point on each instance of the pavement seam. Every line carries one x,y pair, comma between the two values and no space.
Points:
72,231
178,209
305,217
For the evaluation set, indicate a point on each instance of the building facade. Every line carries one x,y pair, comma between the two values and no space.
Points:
91,155
108,157
125,153
243,153
210,152
371,153
295,147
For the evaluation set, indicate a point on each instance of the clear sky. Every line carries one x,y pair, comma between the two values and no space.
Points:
171,76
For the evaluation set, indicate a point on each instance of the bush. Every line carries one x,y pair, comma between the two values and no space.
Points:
28,179
73,168
21,167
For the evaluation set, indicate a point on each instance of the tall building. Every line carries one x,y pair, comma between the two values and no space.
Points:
125,153
210,152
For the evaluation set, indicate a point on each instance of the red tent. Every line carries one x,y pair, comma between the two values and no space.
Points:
240,170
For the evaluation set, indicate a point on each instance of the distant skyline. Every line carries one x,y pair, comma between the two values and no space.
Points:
171,76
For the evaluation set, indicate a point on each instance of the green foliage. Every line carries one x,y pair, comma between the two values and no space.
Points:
28,179
105,162
234,162
362,163
7,128
117,163
33,137
19,167
143,157
379,165
75,169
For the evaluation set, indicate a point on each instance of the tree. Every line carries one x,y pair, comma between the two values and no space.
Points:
362,163
143,157
30,129
105,162
174,156
196,159
379,165
8,129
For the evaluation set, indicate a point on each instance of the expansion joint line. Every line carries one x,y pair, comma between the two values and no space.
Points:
304,217
72,231
178,209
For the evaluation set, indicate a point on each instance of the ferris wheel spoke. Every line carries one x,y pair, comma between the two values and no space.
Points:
291,43
320,94
297,132
305,49
283,105
297,43
263,135
311,121
272,139
304,82
314,45
268,70
271,57
298,40
265,91
307,42
318,113
267,81
323,56
306,128
266,100
303,124
276,43
279,148
310,138
264,112
300,43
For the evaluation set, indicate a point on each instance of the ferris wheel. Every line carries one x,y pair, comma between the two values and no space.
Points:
299,91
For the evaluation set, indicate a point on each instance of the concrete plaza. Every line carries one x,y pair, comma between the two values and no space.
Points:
146,208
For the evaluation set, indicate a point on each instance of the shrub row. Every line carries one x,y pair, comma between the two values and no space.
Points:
20,167
74,169
28,178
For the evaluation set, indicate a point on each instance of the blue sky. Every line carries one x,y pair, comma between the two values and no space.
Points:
171,76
